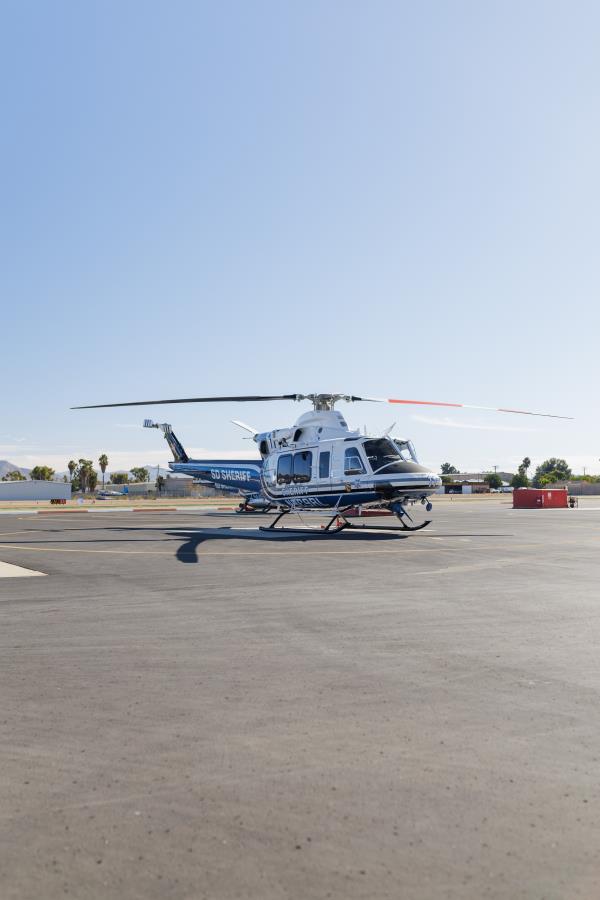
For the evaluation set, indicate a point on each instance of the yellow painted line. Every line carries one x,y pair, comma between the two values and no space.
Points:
27,531
232,530
489,564
201,553
79,550
27,518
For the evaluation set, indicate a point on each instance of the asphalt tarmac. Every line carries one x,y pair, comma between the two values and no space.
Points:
190,709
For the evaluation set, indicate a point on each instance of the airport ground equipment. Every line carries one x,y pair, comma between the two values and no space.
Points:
540,498
318,464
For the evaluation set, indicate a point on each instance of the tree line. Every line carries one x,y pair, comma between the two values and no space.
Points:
84,477
491,479
82,474
550,471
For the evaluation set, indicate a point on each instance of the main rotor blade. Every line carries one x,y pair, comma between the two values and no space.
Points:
246,398
520,412
254,398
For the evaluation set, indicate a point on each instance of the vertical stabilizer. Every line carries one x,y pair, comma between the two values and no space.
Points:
179,454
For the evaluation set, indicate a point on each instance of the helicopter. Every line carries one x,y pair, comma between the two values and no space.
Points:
318,464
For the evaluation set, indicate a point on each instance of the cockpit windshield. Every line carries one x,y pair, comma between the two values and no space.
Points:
406,450
384,456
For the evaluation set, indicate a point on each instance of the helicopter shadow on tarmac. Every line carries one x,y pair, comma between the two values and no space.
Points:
193,538
187,552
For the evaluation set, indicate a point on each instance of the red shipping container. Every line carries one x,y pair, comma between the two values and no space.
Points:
540,498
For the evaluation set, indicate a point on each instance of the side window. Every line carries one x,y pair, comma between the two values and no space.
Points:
352,462
302,466
324,464
270,470
284,469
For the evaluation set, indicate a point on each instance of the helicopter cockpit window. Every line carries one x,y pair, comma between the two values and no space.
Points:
406,451
324,459
353,464
302,466
401,447
269,472
284,469
383,455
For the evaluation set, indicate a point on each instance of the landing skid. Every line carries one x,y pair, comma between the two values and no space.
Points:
338,518
341,524
401,527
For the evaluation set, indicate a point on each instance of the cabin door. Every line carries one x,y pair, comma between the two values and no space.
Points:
324,464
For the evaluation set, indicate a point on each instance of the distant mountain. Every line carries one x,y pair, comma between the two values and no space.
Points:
6,467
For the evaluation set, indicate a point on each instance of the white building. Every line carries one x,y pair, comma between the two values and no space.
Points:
34,490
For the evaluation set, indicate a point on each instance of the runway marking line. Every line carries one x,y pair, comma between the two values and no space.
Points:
26,531
487,564
8,570
166,526
280,553
202,553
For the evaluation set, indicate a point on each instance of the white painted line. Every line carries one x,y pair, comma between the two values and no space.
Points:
7,570
109,509
202,508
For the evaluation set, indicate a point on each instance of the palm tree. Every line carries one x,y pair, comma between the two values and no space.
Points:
84,469
103,462
71,466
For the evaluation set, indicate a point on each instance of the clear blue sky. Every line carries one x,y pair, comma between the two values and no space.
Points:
386,198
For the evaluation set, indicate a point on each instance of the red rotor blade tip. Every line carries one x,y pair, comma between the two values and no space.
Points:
520,412
424,402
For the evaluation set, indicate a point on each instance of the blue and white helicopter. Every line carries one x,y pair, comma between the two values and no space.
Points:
318,464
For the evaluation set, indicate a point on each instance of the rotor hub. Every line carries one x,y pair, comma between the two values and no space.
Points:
324,402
